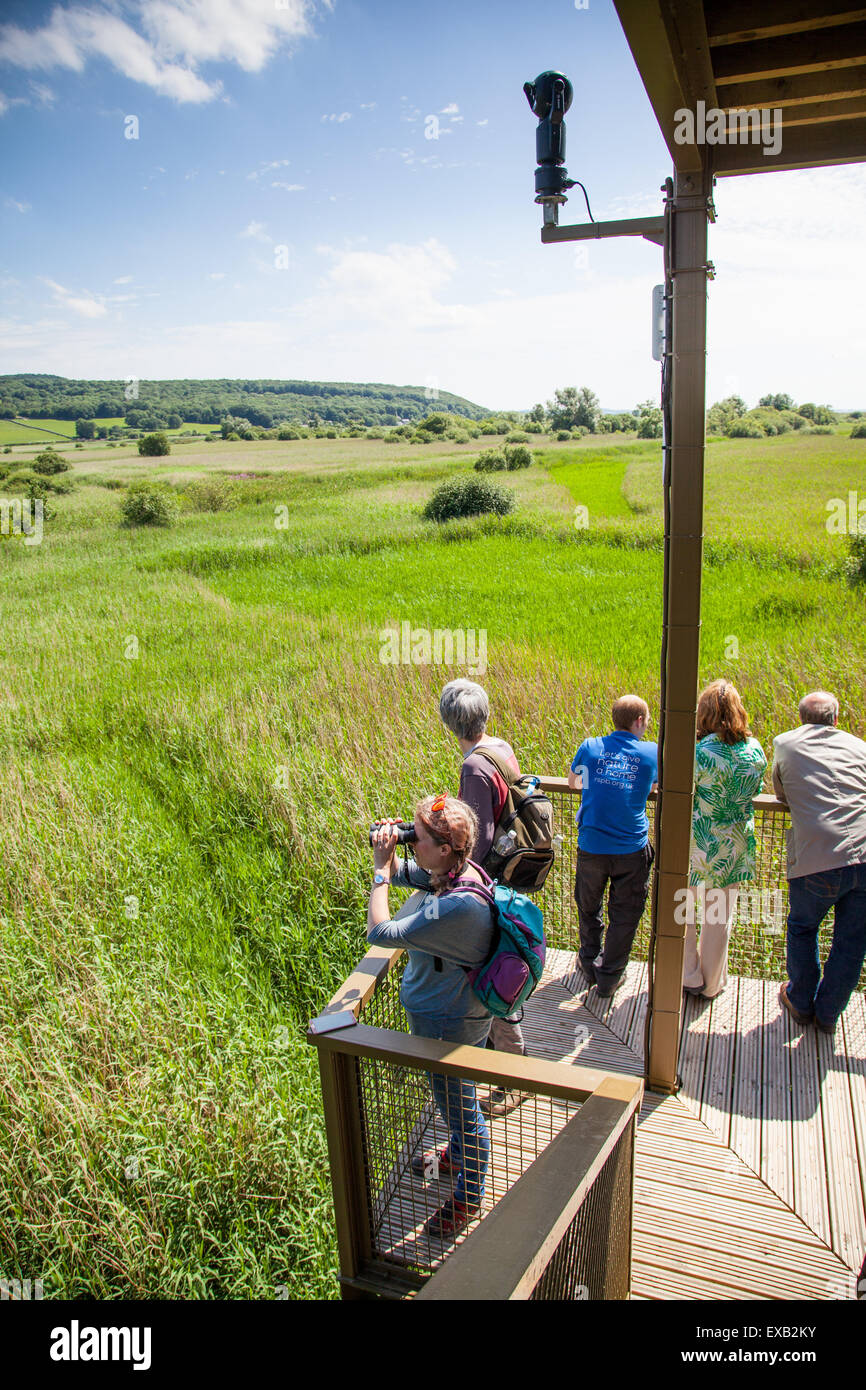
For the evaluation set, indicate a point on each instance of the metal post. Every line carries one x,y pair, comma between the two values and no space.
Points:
341,1104
681,640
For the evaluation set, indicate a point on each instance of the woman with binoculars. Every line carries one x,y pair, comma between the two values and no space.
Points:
442,931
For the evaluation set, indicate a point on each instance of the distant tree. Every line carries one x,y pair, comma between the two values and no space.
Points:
538,414
778,402
153,445
573,406
174,421
722,413
434,424
818,414
85,429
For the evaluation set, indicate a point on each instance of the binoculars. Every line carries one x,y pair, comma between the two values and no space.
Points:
405,832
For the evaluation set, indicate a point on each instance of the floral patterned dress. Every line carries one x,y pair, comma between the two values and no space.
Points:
727,776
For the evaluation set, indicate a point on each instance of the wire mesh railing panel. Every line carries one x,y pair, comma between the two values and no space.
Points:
593,1259
408,1118
757,941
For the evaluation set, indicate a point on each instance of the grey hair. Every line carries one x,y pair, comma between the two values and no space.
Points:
464,709
819,707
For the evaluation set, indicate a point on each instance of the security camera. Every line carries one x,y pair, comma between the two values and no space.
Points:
549,97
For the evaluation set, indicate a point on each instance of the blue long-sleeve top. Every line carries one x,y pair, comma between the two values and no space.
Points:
455,927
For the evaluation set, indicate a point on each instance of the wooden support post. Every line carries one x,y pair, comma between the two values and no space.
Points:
343,1125
692,192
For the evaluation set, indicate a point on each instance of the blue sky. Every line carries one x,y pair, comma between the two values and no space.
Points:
284,212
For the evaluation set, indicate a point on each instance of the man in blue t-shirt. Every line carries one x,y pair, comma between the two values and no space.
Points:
616,774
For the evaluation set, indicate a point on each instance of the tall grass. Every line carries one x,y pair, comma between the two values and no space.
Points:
184,867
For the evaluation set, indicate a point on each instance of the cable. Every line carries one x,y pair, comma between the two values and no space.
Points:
588,208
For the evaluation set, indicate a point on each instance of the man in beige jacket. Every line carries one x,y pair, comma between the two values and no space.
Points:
820,773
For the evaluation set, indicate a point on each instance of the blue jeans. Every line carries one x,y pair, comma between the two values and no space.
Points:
810,899
457,1103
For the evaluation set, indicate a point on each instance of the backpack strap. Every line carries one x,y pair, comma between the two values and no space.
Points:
481,890
499,761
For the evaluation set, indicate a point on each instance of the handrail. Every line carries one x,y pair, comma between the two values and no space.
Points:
761,802
456,1059
505,1256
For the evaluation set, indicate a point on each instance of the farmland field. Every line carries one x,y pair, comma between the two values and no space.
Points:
197,727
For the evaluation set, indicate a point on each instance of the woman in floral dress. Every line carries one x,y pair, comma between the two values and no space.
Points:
729,771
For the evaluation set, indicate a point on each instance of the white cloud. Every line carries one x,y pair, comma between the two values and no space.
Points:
177,36
14,203
486,121
369,105
450,110
338,117
256,230
289,187
89,305
122,280
267,166
217,275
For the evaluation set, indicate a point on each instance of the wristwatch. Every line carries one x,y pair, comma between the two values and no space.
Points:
379,877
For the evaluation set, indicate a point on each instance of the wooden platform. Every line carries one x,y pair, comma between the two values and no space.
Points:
749,1183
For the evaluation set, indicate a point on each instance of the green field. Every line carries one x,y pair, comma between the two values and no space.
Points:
45,431
197,727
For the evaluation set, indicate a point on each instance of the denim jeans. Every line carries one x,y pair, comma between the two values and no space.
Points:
457,1103
810,899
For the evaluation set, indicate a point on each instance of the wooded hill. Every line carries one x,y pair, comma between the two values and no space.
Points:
150,404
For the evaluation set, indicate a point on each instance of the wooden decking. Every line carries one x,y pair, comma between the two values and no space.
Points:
749,1182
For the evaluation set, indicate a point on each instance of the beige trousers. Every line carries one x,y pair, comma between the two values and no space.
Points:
705,961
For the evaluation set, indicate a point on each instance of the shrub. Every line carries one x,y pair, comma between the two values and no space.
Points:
154,445
490,461
856,563
820,429
8,449
859,431
149,504
516,437
563,434
49,461
517,456
745,429
214,494
468,496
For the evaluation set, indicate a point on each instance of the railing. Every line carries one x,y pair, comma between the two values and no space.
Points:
757,943
563,1232
379,1115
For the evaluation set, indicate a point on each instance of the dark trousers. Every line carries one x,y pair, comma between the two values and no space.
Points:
629,878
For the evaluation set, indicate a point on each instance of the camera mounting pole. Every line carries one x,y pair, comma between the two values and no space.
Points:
650,228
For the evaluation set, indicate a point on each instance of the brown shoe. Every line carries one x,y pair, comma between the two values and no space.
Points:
802,1019
501,1102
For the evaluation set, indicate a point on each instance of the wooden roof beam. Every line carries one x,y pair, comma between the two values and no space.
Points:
803,147
843,83
796,53
742,21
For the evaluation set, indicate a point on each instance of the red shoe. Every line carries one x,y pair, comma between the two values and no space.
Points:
451,1217
434,1164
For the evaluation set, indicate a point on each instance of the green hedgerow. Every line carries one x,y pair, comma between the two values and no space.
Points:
468,496
150,504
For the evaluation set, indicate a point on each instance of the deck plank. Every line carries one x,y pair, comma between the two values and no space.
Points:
745,1131
715,1108
777,1139
847,1219
810,1172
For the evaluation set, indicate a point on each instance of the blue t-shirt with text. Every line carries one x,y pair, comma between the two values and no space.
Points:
617,772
